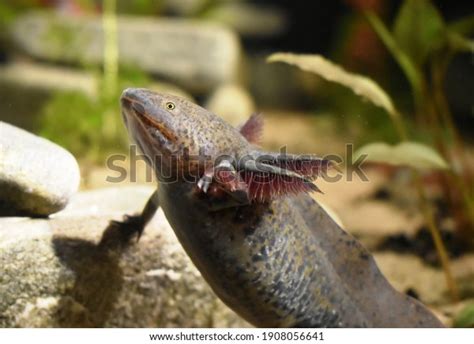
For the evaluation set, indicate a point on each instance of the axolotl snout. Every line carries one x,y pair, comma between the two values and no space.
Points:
245,219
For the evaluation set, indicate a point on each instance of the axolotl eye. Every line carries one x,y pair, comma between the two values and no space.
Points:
170,106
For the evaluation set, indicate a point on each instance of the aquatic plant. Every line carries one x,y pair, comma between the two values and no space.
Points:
420,38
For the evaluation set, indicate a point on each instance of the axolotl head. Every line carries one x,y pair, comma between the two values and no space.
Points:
174,132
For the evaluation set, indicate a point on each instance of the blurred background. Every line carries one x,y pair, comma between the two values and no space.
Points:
64,63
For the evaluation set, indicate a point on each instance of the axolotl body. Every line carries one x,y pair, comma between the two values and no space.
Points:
245,219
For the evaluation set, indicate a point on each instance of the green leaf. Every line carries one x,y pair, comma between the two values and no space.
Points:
412,72
419,29
460,43
7,14
412,154
465,318
360,85
463,26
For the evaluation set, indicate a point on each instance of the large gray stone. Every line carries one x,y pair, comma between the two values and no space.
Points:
248,19
28,86
184,7
195,54
47,77
75,270
37,177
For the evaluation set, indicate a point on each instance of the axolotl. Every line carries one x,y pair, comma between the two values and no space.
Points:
246,219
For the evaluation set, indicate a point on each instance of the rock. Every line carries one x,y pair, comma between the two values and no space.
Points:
184,7
37,82
249,20
37,177
50,78
74,270
232,102
194,54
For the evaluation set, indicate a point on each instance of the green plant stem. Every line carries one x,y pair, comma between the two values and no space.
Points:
434,231
435,234
438,71
411,71
109,23
463,26
110,76
399,126
419,88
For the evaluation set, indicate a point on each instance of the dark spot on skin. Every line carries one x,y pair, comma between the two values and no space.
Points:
256,278
364,256
231,262
256,221
200,195
268,266
239,216
272,241
276,255
249,230
279,287
306,248
289,267
263,252
239,275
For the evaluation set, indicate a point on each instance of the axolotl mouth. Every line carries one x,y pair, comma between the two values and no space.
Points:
134,104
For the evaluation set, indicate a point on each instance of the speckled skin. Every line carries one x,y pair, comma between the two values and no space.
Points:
284,263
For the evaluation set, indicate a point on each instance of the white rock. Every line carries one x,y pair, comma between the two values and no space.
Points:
184,7
195,54
49,78
73,270
249,19
37,177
